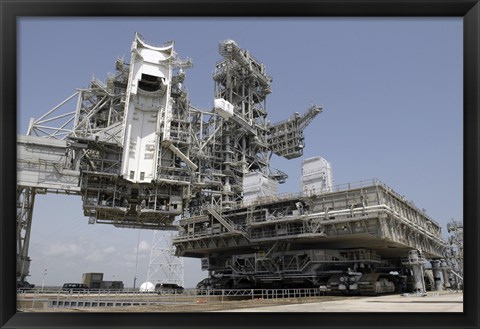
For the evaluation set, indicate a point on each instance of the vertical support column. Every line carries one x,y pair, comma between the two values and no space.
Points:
437,275
416,263
446,276
25,203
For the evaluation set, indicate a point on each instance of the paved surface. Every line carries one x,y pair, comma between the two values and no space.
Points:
433,302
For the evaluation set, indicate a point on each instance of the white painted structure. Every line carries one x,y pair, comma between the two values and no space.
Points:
141,156
164,266
317,176
256,185
148,107
223,108
147,287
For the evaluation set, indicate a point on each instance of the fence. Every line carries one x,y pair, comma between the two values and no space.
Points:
38,299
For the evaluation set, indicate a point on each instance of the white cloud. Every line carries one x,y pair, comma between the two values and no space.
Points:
95,256
143,246
59,249
129,264
109,250
84,251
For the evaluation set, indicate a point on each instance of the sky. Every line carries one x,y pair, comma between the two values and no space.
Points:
391,90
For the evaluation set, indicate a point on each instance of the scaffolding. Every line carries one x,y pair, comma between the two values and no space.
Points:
454,254
139,154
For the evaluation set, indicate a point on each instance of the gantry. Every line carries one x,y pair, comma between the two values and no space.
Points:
139,154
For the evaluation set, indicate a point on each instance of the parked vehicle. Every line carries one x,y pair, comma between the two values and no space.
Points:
71,287
168,288
24,285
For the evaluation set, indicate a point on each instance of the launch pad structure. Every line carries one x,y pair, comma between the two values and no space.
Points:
140,156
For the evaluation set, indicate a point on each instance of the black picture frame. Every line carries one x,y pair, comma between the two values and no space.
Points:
11,10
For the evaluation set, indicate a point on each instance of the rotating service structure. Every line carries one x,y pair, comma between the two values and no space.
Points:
140,155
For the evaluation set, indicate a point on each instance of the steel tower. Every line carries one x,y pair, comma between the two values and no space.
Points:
139,154
164,266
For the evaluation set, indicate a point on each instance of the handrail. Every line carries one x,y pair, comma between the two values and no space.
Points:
56,298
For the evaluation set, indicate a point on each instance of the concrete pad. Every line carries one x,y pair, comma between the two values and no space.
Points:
432,302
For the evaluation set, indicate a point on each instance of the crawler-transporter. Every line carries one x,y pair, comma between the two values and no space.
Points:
141,156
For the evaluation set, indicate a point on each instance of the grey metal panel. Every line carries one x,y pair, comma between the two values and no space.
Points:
42,163
373,216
